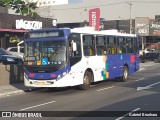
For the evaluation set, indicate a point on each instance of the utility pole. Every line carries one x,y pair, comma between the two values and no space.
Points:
130,5
130,18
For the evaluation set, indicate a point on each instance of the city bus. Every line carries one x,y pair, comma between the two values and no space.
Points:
61,57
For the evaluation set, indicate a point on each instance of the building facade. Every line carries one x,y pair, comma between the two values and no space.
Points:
13,27
122,15
110,10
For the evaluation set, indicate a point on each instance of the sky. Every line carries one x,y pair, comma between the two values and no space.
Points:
74,1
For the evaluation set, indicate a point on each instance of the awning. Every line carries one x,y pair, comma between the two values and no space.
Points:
12,30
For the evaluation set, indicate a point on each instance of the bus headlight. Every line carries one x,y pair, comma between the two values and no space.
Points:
61,75
58,77
64,73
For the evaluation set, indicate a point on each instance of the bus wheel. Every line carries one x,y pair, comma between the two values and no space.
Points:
125,74
86,81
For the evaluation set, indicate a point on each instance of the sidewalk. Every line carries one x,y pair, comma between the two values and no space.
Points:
8,90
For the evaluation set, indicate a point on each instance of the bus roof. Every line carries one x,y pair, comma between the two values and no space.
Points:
49,29
90,30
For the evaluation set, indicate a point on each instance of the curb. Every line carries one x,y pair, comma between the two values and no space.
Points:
11,93
14,92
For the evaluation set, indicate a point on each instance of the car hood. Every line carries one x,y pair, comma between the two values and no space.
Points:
9,56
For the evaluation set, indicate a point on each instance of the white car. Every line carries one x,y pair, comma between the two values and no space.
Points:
147,50
14,51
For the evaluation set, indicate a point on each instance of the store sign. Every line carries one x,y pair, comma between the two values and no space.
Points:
154,29
54,22
155,26
142,26
94,18
29,25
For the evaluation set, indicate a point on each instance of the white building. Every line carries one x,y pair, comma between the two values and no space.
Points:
110,10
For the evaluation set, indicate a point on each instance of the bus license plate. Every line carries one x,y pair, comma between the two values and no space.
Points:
41,83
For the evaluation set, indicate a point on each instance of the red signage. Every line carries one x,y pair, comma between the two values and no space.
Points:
94,18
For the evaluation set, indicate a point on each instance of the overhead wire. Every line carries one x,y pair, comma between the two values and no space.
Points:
106,5
102,5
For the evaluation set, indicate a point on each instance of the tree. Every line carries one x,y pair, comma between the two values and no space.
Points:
31,6
5,3
2,3
21,7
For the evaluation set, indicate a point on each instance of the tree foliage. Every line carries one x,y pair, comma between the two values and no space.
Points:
5,3
21,7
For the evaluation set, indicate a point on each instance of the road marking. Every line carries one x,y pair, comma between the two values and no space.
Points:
127,114
37,105
148,87
105,88
147,65
11,93
140,79
141,69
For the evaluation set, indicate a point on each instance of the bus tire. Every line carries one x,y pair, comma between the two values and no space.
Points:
86,81
125,74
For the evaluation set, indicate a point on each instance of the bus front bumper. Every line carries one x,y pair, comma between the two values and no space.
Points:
68,80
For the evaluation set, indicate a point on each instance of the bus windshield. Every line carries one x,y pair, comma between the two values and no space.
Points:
45,53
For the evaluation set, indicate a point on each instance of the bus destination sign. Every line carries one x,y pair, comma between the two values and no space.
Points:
44,34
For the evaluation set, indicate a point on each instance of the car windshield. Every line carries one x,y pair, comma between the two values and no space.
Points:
3,52
16,50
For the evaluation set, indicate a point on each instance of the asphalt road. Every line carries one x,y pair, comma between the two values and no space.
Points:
119,99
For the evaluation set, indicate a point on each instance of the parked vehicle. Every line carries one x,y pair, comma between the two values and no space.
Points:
144,51
7,58
154,56
157,59
14,51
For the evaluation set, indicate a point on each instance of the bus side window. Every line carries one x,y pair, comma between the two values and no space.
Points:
102,51
74,39
121,45
113,50
87,51
109,50
111,44
136,45
75,53
130,45
124,46
88,45
101,45
119,50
